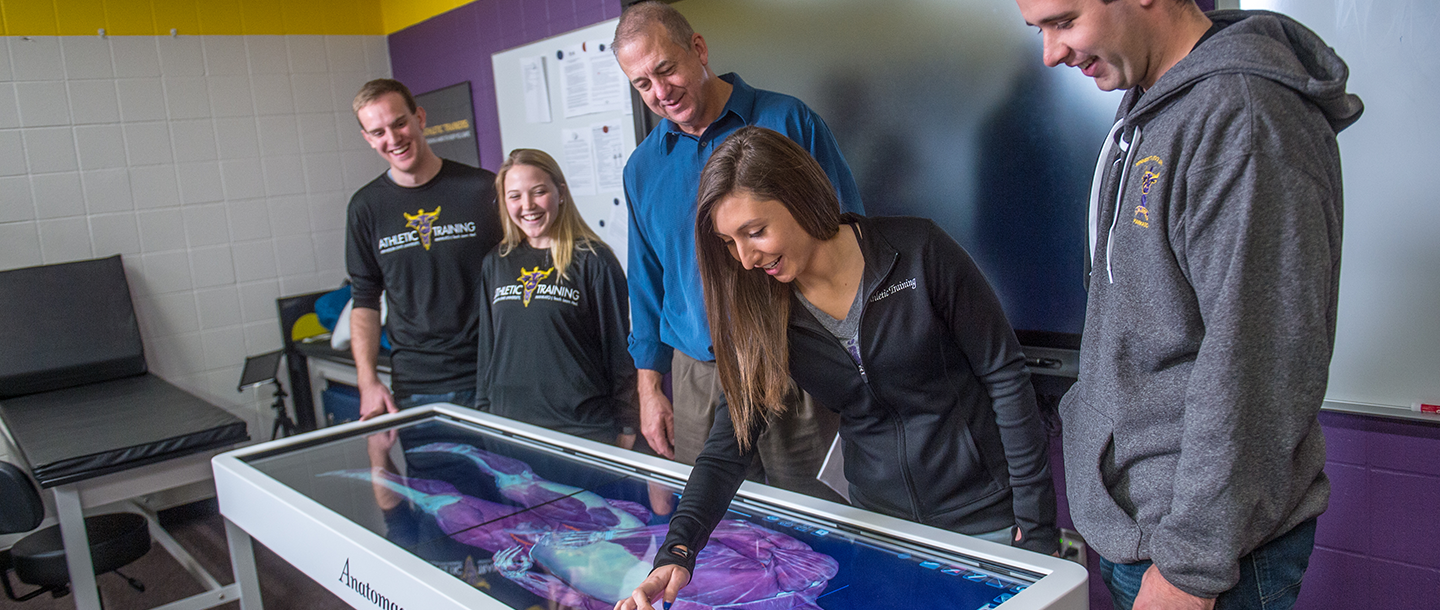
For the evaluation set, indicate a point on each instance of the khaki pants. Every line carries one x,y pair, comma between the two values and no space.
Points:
790,451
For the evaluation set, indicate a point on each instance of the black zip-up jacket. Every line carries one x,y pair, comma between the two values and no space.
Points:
939,421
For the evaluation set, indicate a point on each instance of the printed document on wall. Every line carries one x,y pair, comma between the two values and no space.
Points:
537,90
574,81
579,161
610,156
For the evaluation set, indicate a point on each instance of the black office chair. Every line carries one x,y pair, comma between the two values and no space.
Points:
116,540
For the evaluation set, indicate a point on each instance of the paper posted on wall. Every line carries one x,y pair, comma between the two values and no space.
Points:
537,90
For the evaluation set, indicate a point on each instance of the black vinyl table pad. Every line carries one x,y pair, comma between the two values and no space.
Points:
87,431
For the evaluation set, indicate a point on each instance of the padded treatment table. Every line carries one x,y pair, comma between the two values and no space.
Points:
80,433
94,427
108,442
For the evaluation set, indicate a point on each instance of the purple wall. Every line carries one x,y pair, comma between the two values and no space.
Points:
456,46
1375,546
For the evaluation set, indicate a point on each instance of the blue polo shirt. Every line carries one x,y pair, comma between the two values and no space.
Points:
667,303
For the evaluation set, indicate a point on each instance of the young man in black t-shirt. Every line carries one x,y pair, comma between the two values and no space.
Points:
417,233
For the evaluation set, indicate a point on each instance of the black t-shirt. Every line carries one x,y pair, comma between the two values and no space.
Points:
552,350
423,247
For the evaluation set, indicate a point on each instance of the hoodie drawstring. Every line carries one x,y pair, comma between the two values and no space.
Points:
1129,149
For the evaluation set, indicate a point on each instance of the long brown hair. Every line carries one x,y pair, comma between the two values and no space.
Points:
569,230
749,311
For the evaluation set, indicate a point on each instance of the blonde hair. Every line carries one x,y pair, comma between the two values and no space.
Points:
567,232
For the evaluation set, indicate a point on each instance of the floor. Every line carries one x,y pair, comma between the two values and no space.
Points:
199,528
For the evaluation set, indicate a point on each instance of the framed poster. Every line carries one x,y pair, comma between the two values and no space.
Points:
450,123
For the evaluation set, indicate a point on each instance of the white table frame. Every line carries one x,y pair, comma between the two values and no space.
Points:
118,490
324,545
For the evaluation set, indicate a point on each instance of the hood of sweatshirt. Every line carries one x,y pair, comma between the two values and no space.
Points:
1265,44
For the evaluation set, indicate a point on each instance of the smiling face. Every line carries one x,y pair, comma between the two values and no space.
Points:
675,81
532,203
1098,38
395,132
762,234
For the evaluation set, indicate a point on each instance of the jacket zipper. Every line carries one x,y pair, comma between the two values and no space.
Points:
894,415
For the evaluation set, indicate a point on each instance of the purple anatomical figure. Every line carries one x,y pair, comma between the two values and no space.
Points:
586,551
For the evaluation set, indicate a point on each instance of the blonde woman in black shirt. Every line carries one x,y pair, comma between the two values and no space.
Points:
554,317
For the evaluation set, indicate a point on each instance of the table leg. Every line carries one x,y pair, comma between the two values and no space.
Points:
242,560
77,547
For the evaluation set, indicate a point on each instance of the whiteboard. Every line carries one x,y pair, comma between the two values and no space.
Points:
1387,345
605,209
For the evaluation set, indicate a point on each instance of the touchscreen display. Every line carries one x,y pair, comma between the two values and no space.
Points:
531,525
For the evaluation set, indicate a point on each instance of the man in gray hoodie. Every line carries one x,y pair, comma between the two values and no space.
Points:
1192,450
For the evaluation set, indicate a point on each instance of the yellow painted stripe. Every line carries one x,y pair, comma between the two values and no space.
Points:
129,18
401,14
80,16
220,18
208,17
38,18
179,15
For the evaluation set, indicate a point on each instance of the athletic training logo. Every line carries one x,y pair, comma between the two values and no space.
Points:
531,279
1141,216
424,224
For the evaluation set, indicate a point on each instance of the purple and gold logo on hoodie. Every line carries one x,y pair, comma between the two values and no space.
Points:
1141,215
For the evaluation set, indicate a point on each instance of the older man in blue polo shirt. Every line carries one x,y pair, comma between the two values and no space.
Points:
668,63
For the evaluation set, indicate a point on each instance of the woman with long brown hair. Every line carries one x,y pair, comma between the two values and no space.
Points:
554,313
886,321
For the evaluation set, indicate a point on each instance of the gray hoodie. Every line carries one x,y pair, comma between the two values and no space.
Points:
1191,437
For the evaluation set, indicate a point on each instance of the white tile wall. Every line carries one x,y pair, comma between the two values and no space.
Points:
272,94
16,202
236,138
9,113
186,97
5,73
64,239
141,99
148,143
12,151
154,186
249,219
35,58
107,190
194,140
42,103
50,149
100,146
94,101
200,183
58,195
19,243
279,135
135,56
161,230
219,167
86,57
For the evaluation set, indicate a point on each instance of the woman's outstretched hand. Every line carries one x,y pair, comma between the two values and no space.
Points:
663,584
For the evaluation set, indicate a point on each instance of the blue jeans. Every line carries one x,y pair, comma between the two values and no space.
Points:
1269,576
464,398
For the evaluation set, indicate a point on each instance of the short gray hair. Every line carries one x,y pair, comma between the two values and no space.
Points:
638,17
